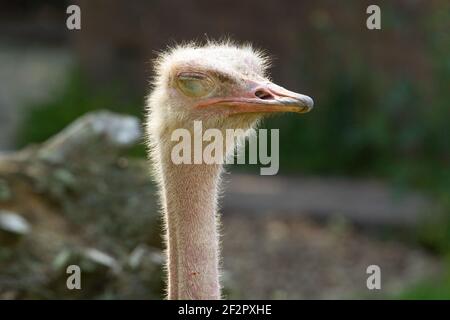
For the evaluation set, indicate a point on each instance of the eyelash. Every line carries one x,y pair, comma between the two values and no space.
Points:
199,76
191,76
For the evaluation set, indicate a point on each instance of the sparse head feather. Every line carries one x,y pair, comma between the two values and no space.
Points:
224,56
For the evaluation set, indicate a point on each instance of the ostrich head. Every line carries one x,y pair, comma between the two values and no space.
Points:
221,84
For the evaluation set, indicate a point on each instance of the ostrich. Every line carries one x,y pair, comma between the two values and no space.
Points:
224,85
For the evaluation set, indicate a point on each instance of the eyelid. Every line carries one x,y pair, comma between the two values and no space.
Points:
192,76
195,84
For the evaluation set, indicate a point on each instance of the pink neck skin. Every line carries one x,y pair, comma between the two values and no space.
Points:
190,204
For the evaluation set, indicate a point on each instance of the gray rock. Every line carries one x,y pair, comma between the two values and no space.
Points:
96,133
101,260
90,260
143,255
13,227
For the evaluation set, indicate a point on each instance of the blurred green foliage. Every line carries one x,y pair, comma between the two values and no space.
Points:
372,122
77,97
437,289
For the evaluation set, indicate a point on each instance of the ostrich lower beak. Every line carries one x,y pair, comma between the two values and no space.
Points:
265,97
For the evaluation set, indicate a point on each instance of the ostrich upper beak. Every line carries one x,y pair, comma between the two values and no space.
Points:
262,97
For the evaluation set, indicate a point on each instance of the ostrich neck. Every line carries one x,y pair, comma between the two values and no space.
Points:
190,203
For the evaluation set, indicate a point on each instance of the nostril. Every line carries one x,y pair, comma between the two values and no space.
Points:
263,95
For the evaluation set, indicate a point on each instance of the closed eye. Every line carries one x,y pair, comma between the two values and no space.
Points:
195,84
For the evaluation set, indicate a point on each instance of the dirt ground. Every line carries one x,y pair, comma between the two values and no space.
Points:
277,257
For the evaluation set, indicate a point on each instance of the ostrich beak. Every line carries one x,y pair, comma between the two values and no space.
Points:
263,97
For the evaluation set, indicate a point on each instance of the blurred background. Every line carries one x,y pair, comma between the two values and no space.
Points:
364,179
